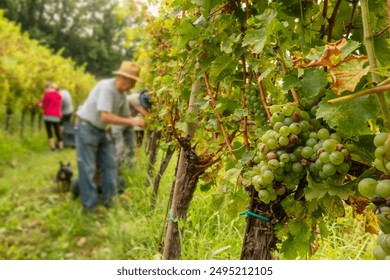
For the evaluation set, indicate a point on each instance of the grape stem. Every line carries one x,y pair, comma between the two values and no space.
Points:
376,90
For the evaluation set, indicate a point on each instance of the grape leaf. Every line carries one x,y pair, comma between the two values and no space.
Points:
338,115
255,38
311,193
323,228
232,174
313,82
219,67
341,191
294,247
348,73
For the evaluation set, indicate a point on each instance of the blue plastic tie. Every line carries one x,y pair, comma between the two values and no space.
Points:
249,213
171,218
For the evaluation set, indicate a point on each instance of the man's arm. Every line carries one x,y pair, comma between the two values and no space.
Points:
114,119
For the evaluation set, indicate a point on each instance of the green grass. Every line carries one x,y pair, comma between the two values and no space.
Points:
36,222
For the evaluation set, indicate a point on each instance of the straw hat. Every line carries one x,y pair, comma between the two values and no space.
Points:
130,70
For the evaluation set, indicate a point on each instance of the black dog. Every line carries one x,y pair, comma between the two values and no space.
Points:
64,177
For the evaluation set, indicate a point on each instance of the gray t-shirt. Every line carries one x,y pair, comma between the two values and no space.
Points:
104,97
66,106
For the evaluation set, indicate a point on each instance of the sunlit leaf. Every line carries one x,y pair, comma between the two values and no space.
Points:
338,116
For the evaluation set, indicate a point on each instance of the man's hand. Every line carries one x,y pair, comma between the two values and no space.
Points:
137,122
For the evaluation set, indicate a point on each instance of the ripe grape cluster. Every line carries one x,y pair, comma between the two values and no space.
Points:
379,193
256,109
296,145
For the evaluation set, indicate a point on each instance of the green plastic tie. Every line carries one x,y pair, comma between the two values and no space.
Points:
249,213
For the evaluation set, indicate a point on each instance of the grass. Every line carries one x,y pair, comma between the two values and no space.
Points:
36,222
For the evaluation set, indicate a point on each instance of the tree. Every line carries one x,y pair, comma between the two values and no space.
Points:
87,31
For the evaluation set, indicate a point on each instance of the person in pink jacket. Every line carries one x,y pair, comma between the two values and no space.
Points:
51,105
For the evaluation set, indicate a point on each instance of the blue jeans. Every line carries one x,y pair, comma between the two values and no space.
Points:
94,148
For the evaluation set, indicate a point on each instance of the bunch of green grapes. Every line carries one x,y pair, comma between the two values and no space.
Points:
379,193
295,145
255,106
382,152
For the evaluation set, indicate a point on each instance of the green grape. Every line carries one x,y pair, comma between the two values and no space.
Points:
329,145
287,110
329,169
305,115
304,125
383,188
273,164
335,136
380,139
307,152
297,168
277,126
288,121
379,165
379,253
295,128
336,158
272,144
298,151
284,131
267,177
284,158
283,140
275,109
323,134
324,157
380,152
367,187
313,135
293,157
343,168
263,148
384,241
311,142
264,196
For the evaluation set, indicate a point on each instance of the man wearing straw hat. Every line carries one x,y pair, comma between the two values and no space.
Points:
106,104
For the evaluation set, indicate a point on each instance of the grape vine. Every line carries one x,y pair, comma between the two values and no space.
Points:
268,72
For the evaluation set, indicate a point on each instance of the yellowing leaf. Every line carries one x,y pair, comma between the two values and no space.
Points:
348,73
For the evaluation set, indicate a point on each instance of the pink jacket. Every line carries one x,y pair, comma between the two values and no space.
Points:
51,104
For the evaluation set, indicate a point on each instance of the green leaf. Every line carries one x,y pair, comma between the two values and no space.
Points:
324,232
382,50
246,157
313,82
290,82
220,65
255,38
294,247
266,17
343,191
311,193
232,174
349,48
339,116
